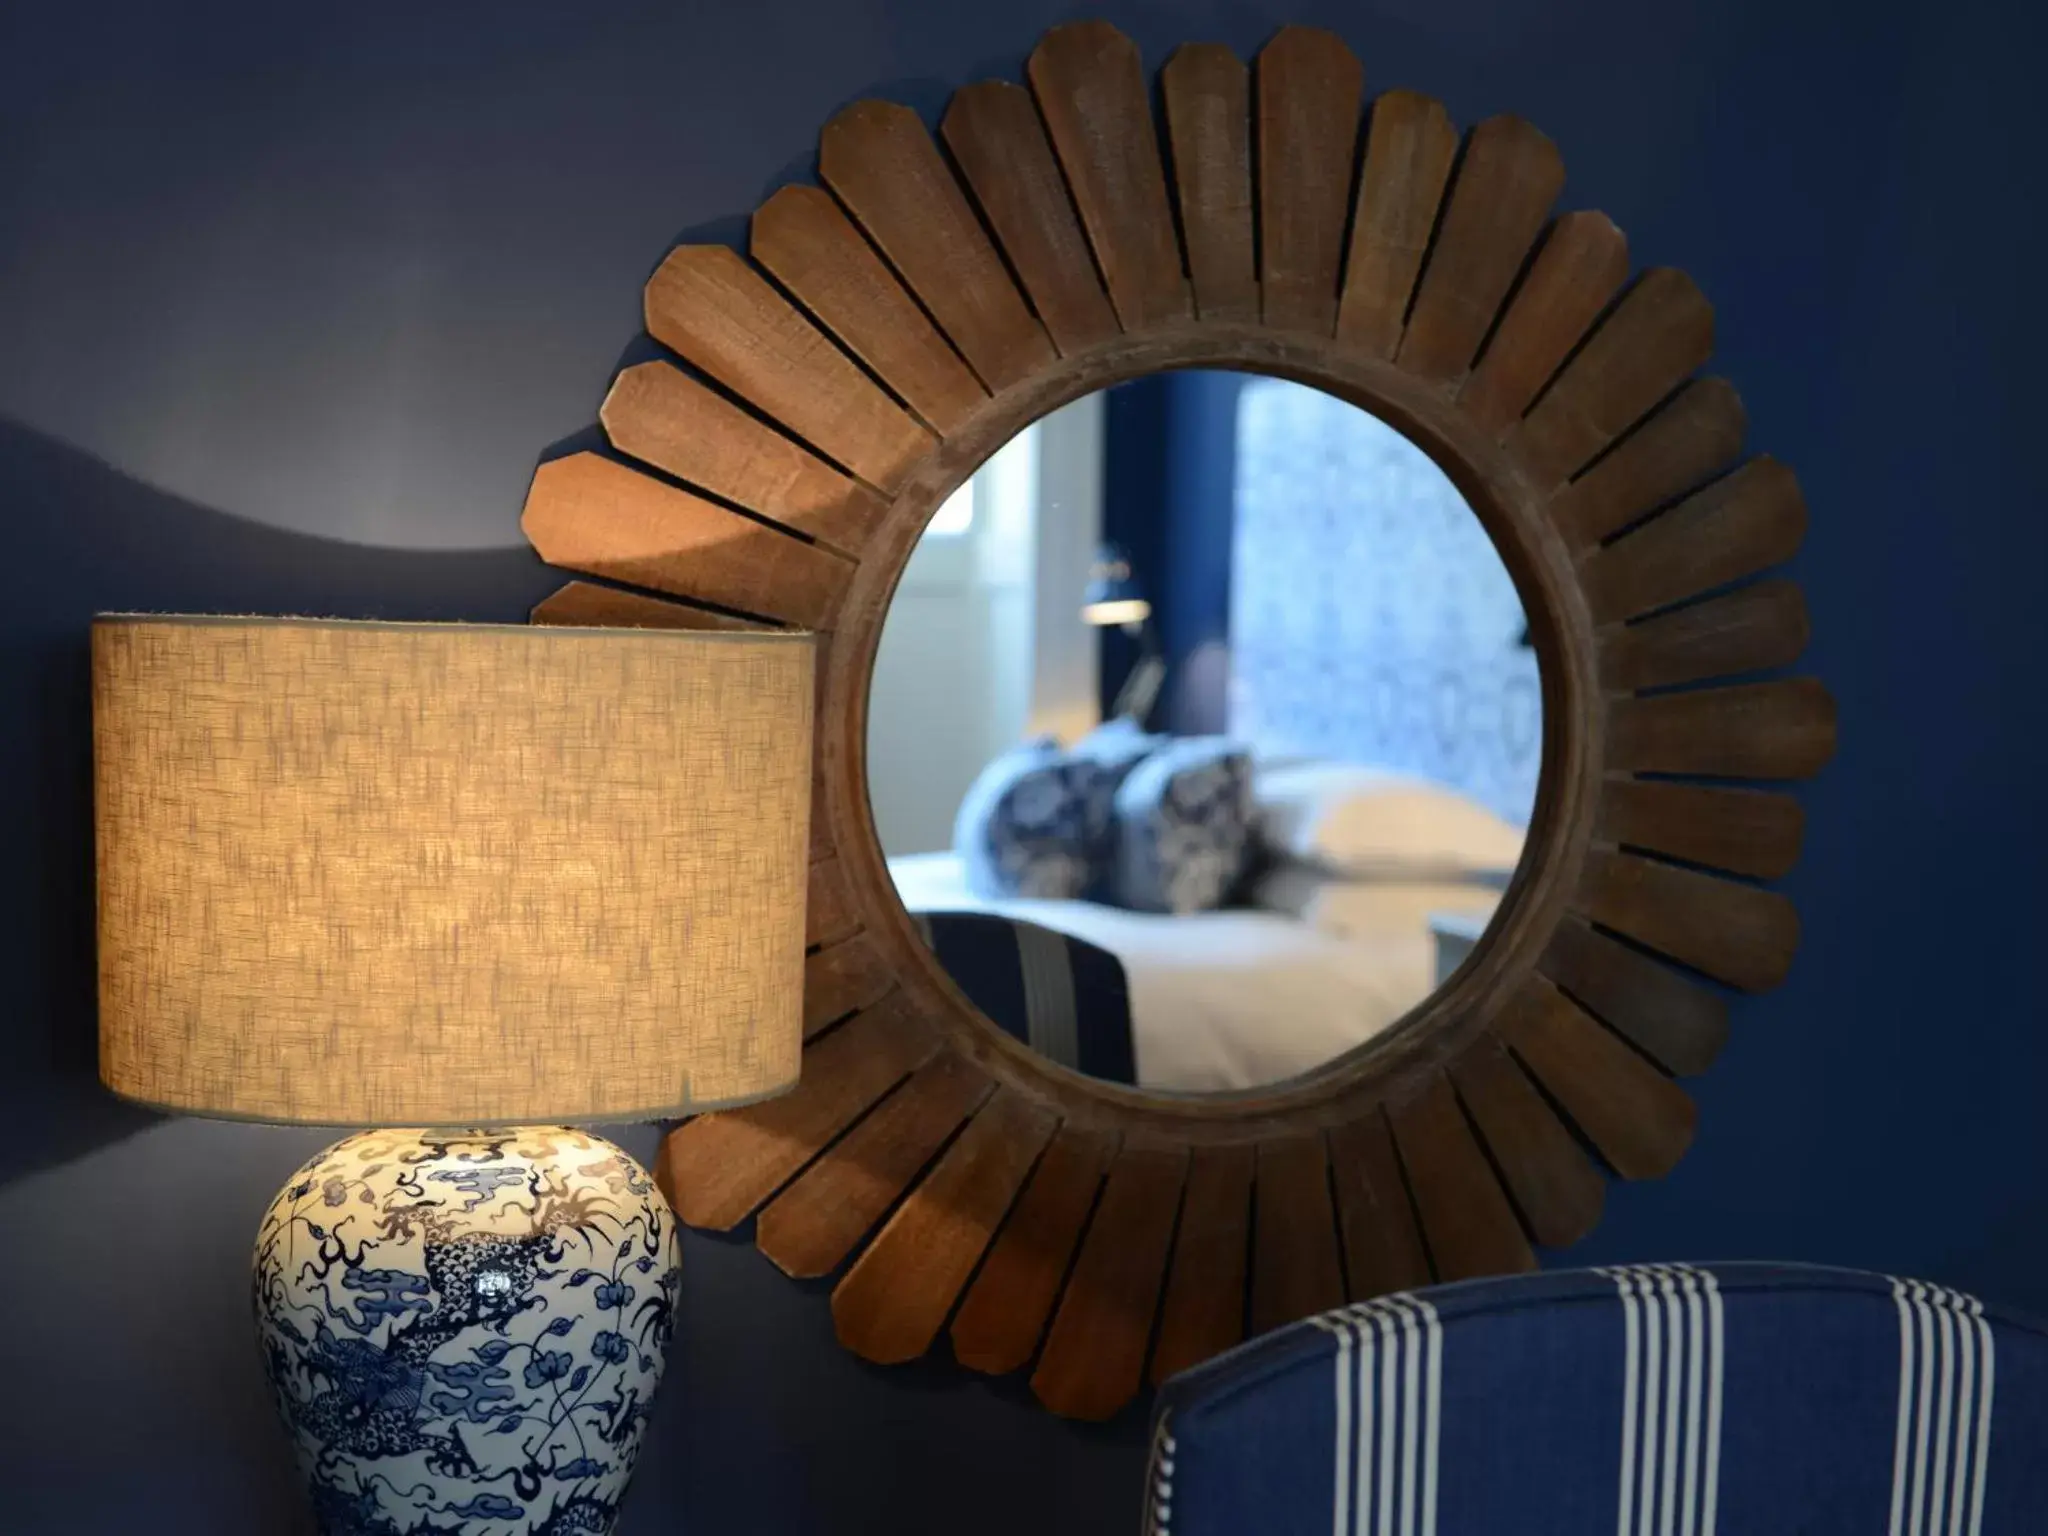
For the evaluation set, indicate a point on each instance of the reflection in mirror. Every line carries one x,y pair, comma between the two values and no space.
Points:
1204,732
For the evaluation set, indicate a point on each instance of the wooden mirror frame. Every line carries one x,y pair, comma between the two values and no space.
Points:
894,329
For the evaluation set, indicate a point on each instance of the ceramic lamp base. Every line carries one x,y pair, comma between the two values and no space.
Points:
465,1330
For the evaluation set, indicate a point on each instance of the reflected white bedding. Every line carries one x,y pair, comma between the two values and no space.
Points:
1232,999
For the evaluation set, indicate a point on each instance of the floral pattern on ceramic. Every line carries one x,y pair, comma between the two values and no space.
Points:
1184,827
464,1331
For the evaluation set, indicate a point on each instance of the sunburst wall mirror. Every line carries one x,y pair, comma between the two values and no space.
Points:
882,337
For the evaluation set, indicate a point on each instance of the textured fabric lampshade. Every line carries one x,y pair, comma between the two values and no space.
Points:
442,874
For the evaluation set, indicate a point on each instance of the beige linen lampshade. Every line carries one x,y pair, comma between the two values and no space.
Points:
449,874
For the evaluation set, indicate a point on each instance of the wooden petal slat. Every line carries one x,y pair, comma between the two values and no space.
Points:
1208,117
1094,1357
850,975
1734,933
1000,145
812,1225
588,605
717,1168
998,1326
661,416
1675,1023
1660,331
1582,264
1741,524
1509,177
1203,1313
1409,149
803,238
1694,434
1466,1218
1744,831
1383,1249
1310,86
895,1298
1554,1184
829,914
877,156
1778,730
1639,1119
592,515
1090,85
1296,1271
1751,629
706,303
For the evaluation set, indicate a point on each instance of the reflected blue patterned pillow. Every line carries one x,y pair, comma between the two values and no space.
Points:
1112,750
1024,827
1183,827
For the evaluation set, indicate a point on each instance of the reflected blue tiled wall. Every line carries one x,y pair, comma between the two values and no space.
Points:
1371,618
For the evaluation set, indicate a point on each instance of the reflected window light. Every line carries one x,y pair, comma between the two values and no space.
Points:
955,515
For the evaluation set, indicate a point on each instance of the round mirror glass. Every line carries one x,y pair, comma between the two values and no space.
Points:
1204,732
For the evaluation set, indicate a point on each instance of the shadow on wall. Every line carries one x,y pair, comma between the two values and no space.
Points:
87,539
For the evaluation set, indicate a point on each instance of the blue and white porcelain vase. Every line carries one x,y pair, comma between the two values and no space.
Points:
465,1330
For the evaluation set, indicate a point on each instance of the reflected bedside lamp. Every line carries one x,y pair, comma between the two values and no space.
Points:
1114,598
457,884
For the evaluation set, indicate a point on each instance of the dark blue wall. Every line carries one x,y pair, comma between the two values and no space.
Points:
347,270
1169,464
1137,429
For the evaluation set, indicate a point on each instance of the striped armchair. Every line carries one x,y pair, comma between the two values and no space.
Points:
1650,1400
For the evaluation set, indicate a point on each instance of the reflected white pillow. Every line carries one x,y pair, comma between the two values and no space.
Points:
1344,818
1365,910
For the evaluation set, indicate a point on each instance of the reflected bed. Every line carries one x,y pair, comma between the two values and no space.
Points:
1236,998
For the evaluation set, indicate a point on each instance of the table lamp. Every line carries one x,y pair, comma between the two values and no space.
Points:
1114,597
457,884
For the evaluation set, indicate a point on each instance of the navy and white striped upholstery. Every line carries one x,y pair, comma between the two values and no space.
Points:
1066,999
1651,1400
